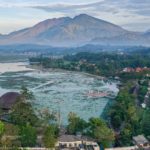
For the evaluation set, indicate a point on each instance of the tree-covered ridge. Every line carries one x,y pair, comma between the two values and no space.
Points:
102,63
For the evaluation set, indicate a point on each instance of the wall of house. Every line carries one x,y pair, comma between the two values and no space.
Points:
70,144
77,143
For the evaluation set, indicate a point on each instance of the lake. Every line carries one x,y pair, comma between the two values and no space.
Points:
59,91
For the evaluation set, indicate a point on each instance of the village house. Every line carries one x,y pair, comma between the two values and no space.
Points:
128,69
72,142
76,142
141,142
6,103
143,105
138,69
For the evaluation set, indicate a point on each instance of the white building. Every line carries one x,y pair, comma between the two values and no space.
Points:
79,142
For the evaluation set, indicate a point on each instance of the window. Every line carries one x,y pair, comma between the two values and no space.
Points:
65,145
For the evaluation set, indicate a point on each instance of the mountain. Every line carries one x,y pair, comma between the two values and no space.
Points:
147,33
130,38
80,30
1,35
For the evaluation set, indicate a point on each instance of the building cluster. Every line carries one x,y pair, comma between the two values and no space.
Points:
83,64
138,69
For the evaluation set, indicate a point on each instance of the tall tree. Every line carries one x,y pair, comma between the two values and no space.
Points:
126,136
2,128
76,124
99,131
50,136
28,136
26,94
146,123
22,113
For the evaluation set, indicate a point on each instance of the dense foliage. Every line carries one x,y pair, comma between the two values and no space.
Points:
23,114
146,123
50,136
28,136
95,128
102,63
76,124
127,116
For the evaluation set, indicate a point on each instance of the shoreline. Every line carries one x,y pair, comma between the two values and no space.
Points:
63,70
14,67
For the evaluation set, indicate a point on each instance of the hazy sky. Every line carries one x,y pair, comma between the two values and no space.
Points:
18,14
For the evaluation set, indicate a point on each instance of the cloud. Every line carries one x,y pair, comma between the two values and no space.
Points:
121,12
140,7
67,7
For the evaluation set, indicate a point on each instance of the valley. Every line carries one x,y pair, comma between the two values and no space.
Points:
75,75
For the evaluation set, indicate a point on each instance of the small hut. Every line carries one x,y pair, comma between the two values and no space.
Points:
141,142
8,100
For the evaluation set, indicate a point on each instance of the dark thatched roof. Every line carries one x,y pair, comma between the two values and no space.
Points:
8,100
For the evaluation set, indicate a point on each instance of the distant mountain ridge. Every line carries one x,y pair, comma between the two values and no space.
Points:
80,30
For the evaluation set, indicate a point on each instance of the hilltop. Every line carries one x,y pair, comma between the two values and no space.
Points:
80,30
